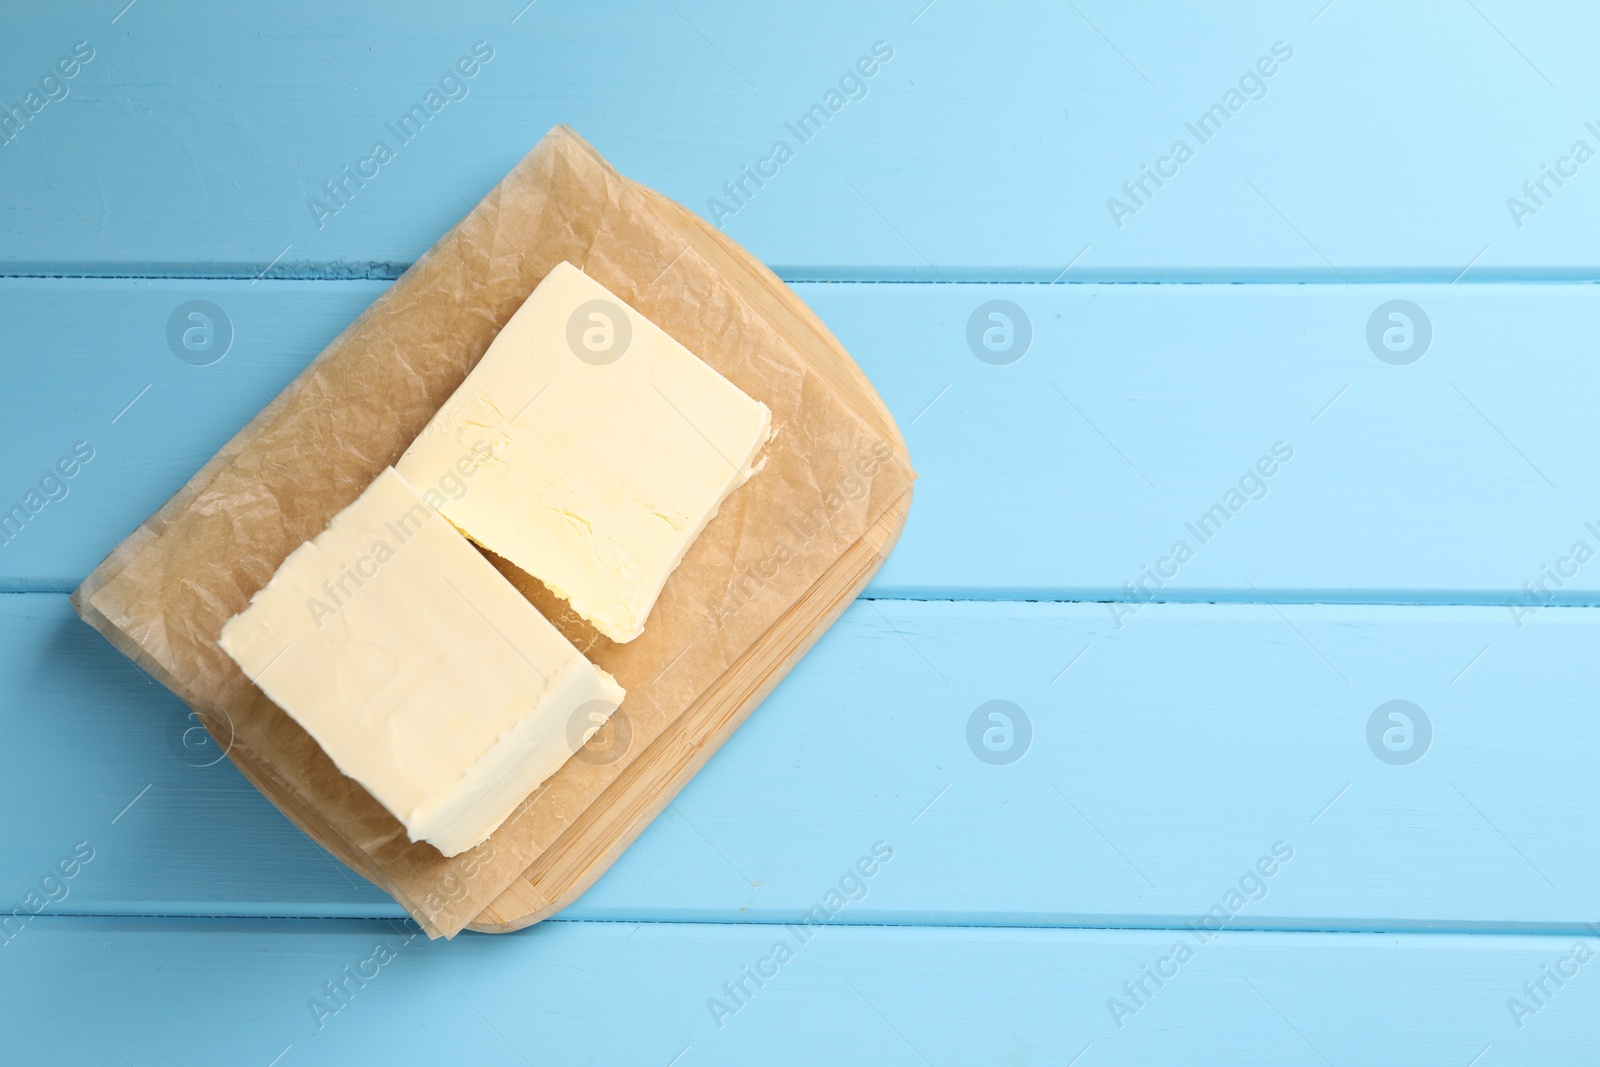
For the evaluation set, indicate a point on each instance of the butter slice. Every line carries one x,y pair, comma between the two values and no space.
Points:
613,447
418,668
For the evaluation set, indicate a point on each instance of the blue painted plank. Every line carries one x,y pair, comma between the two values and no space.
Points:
1173,747
991,145
100,375
1159,763
1135,411
145,991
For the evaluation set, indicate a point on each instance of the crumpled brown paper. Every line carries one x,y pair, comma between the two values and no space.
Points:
163,594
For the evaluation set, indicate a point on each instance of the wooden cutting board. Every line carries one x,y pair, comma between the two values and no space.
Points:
164,593
582,853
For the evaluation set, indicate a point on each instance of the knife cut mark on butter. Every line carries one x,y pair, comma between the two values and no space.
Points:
638,444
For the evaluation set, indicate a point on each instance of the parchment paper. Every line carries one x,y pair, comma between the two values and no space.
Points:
163,594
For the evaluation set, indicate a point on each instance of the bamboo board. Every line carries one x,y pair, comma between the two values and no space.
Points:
437,316
577,859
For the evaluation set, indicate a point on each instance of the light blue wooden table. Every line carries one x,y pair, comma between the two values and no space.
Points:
1204,834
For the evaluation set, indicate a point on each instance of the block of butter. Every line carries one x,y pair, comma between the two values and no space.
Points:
613,447
418,668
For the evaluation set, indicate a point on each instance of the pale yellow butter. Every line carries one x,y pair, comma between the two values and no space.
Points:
418,668
613,447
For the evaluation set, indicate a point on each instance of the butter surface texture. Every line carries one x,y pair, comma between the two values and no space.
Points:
613,446
418,668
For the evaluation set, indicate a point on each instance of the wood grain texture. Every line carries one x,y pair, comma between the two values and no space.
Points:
88,991
986,149
1453,480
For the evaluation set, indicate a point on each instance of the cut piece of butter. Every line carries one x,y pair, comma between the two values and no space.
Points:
613,446
418,668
